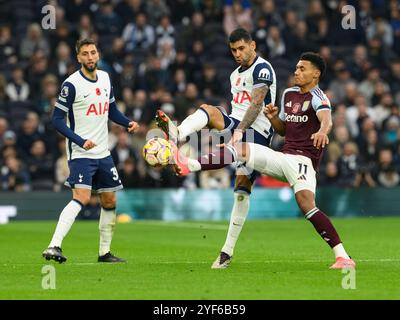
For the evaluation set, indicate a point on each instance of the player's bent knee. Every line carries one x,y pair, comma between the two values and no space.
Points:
108,201
109,205
82,199
82,195
211,110
206,107
242,182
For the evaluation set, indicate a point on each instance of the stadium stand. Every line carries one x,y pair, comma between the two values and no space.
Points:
146,45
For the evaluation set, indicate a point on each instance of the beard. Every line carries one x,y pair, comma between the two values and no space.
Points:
87,68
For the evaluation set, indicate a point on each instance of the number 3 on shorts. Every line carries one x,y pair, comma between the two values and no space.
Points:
115,173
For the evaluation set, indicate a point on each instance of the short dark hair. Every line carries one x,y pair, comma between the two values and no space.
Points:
316,60
83,42
240,34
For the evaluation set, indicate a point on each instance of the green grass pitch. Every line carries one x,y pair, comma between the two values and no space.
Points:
274,259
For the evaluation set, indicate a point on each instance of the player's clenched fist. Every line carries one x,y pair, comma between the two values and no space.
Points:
270,111
133,127
89,144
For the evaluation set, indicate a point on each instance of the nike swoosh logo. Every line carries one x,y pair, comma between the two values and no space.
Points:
86,95
235,224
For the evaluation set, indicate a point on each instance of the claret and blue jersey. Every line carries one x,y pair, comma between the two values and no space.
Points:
299,112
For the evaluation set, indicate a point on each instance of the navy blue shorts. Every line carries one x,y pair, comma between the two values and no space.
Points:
255,137
99,175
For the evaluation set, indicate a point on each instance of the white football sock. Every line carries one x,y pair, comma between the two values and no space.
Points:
340,252
65,221
238,217
194,165
193,123
106,227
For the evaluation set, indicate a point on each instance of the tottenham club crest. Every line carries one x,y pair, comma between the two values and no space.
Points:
64,92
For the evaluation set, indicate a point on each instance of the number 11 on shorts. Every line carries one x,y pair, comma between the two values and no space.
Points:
302,168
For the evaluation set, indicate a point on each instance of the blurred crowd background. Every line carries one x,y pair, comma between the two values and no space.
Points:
173,55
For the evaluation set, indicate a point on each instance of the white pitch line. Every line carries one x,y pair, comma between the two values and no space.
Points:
276,261
203,262
199,226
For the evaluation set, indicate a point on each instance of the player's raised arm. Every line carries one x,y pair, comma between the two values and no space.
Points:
257,101
271,112
320,138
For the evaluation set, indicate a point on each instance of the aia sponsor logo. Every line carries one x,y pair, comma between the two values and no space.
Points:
241,97
98,110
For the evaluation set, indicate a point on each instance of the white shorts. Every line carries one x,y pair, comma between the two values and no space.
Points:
297,170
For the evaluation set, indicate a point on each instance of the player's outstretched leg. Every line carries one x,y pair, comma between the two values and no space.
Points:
203,116
54,253
206,115
182,165
178,161
167,126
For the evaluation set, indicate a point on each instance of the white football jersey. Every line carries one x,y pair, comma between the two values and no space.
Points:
86,103
243,81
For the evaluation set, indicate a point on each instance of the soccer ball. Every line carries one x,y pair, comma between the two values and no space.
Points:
157,152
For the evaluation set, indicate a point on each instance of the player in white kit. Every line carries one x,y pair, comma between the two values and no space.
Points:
253,85
87,101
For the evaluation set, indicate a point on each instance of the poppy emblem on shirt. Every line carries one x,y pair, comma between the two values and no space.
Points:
296,107
237,81
98,92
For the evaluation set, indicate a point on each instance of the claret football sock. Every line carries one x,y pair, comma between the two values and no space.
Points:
238,217
106,227
327,231
65,221
218,159
193,123
212,161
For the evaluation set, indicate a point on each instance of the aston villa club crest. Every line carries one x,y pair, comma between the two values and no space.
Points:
305,106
